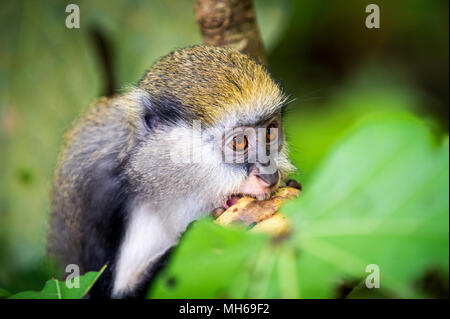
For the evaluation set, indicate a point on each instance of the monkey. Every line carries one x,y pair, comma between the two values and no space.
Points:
119,194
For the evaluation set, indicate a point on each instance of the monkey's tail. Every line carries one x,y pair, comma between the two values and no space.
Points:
105,57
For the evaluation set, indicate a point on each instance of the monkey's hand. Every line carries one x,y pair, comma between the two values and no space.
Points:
260,215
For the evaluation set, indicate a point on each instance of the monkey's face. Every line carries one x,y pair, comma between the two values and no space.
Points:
244,155
218,133
258,152
212,166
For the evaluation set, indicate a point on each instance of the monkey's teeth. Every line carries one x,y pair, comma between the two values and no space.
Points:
235,197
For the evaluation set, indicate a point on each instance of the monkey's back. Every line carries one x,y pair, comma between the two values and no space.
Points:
87,189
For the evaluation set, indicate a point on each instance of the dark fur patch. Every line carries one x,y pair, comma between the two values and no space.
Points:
166,110
104,210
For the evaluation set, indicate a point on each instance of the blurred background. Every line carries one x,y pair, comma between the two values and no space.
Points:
336,69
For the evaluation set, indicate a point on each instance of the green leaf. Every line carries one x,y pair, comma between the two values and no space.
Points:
211,262
55,289
380,197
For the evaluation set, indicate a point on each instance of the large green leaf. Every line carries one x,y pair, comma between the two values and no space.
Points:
212,262
380,197
55,289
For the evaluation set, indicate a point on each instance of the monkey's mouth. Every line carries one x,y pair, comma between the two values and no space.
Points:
233,198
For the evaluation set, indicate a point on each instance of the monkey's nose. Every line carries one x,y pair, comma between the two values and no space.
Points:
270,179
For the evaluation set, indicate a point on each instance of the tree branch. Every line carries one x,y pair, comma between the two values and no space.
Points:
230,23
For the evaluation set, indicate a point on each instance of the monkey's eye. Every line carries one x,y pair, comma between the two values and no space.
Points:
239,143
271,135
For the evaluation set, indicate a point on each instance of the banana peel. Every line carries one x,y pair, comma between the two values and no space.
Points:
260,215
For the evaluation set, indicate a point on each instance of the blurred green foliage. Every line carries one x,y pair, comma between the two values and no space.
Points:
337,70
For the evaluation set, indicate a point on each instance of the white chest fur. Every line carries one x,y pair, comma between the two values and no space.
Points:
149,234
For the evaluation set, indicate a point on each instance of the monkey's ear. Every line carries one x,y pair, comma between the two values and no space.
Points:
150,116
151,120
165,110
